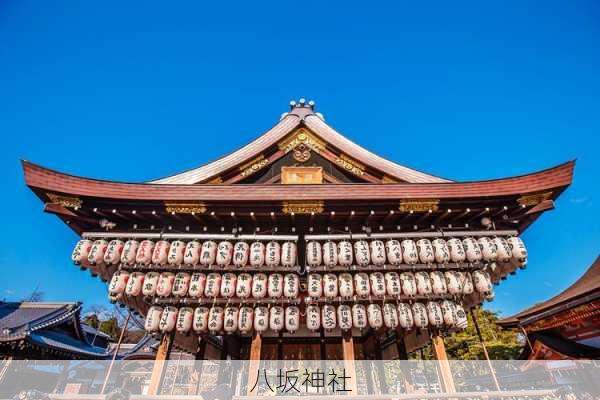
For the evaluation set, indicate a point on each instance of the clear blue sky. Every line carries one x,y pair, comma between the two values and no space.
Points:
462,90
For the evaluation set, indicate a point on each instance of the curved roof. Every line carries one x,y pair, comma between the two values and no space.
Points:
299,116
38,177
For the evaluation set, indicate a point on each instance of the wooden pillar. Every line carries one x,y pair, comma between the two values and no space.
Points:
160,363
404,363
485,352
349,365
439,349
379,366
197,373
255,348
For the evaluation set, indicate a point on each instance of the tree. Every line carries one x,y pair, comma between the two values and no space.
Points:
465,345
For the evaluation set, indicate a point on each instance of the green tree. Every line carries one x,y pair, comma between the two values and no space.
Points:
465,345
110,326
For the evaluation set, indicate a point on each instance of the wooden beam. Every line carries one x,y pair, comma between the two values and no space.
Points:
255,350
349,365
160,363
439,350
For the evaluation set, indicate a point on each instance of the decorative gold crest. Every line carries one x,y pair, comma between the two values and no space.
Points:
533,199
301,136
65,201
350,165
301,153
253,166
185,208
419,205
303,207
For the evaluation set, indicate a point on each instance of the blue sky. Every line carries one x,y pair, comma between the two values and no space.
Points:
464,90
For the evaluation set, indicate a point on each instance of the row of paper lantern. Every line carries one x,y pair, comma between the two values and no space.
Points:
275,285
408,251
274,254
277,318
176,253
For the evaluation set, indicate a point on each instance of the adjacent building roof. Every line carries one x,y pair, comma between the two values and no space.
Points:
585,289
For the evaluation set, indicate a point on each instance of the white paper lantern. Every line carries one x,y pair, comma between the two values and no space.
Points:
243,287
467,284
392,284
393,251
425,249
245,319
518,250
152,321
272,254
168,319
438,282
118,282
423,283
390,316
201,319
208,253
181,284
228,285
213,285
434,314
257,254
161,252
191,254
453,282
345,253
461,317
410,254
374,316
448,312
377,248
405,317
241,253
409,283
230,320
330,256
328,317
261,319
315,285
441,251
81,251
275,286
224,254
472,250
215,319
482,281
377,281
129,252
165,284
292,319
291,286
344,317
259,286
314,256
197,285
113,252
144,252
134,284
457,250
488,249
313,317
361,253
150,283
330,286
362,286
503,249
359,316
346,285
289,253
185,319
419,313
176,253
96,254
